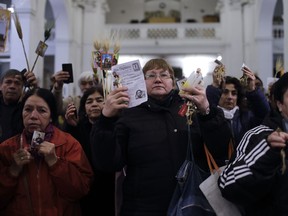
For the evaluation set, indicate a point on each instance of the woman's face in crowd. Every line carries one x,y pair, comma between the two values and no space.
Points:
228,99
36,114
158,82
93,105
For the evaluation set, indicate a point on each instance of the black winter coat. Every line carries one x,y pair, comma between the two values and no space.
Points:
151,141
101,195
10,119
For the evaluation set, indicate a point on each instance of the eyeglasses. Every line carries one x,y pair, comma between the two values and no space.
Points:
153,76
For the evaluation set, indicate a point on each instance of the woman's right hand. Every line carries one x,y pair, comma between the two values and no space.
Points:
117,100
21,157
58,79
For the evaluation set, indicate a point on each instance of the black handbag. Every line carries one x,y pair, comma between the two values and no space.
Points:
188,199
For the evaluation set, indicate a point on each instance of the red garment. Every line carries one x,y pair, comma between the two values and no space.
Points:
55,190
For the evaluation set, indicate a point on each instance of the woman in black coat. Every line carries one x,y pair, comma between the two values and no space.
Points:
101,197
150,140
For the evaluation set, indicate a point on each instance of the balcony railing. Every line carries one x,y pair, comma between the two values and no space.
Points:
165,31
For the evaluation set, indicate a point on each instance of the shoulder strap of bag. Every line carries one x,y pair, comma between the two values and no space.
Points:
189,154
210,160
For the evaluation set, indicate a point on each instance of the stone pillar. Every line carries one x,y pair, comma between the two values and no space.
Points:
264,39
247,32
231,22
77,23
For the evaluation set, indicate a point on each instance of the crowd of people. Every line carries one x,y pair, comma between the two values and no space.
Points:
74,169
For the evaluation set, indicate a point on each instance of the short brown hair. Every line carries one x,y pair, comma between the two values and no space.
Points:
157,64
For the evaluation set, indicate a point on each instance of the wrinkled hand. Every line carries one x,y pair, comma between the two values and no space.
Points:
117,100
31,78
71,115
197,95
58,79
47,149
251,78
21,157
277,139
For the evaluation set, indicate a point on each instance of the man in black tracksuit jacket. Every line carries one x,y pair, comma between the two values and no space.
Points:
257,178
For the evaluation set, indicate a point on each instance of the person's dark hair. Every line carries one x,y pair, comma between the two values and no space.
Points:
259,79
82,113
48,97
271,96
259,84
280,87
238,87
9,73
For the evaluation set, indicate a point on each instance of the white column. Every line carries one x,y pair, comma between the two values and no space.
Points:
94,28
231,21
264,39
64,39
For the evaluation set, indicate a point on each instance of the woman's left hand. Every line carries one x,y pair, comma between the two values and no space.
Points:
197,95
71,115
251,79
48,150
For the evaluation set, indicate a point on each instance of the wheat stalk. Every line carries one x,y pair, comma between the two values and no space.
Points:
116,40
97,45
20,35
106,45
116,47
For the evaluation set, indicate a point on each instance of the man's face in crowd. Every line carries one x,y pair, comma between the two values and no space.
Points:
11,87
86,84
